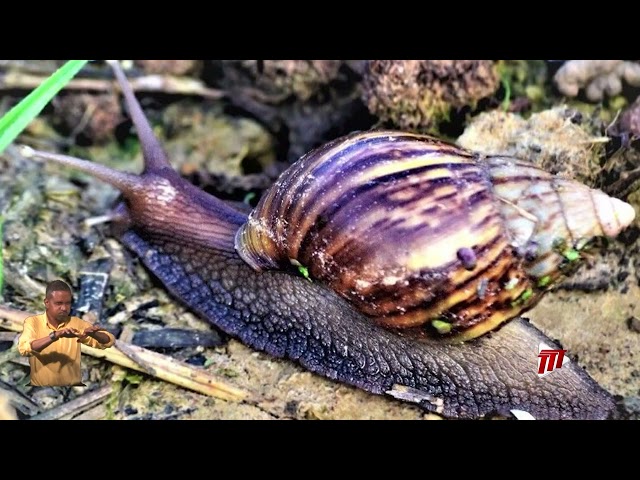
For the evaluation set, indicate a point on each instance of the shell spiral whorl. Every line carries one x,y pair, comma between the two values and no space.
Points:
415,231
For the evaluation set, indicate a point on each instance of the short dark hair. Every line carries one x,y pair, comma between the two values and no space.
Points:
57,286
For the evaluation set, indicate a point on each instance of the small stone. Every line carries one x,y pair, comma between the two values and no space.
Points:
129,410
633,323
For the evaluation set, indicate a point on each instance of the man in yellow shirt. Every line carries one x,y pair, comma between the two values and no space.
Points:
52,340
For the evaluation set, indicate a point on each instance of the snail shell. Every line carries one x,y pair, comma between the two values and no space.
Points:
421,234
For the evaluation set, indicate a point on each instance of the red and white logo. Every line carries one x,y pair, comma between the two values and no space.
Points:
550,359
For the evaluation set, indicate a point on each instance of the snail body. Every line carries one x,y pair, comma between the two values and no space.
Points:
421,234
195,244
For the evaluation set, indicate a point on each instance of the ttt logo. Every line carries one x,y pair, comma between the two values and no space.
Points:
550,359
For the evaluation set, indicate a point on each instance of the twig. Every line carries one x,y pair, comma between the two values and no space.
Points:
162,366
623,186
146,83
18,400
126,336
76,406
7,412
132,355
7,336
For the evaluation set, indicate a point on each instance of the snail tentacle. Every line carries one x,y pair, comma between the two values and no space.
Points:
154,155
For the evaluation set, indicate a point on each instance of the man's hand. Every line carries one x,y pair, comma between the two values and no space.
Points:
39,344
96,332
89,331
67,333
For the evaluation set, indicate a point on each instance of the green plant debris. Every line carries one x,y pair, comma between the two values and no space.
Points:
17,119
133,378
441,326
544,281
304,271
228,372
248,197
524,78
571,254
68,198
526,295
618,102
121,380
522,298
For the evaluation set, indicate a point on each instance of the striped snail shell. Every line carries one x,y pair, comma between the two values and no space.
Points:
421,234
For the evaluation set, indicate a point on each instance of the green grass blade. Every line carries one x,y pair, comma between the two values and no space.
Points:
16,119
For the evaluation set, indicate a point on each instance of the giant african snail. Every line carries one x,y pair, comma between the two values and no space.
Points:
415,249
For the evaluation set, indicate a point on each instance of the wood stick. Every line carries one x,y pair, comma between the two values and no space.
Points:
147,83
99,412
19,401
7,336
7,412
76,406
146,361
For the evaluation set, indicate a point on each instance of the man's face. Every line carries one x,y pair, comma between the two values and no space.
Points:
58,305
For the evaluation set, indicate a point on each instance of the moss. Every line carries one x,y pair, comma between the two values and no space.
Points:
218,150
227,372
421,95
558,140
